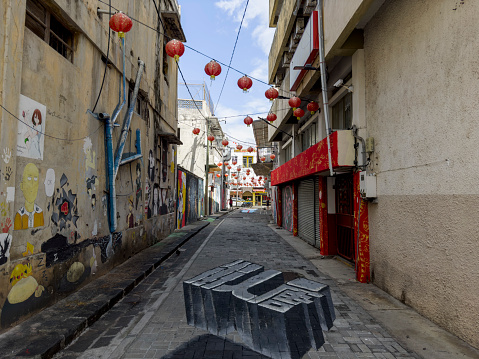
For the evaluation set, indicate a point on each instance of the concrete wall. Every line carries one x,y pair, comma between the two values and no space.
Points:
68,242
421,108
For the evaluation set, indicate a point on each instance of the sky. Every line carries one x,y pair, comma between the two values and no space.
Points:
211,27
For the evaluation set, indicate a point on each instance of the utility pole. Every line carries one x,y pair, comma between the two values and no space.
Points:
207,168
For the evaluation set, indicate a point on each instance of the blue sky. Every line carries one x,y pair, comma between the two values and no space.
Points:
211,27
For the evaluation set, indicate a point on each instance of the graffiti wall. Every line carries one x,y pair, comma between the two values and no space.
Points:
190,198
288,207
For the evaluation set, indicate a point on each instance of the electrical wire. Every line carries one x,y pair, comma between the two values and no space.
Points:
205,55
231,59
56,138
107,59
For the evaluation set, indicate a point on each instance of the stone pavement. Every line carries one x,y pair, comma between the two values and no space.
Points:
150,321
160,329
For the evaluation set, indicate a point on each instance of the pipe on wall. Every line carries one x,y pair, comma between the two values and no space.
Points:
324,85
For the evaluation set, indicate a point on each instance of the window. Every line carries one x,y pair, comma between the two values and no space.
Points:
288,153
46,26
342,113
141,107
309,137
247,161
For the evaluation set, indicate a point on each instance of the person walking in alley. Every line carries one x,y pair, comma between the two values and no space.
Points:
231,202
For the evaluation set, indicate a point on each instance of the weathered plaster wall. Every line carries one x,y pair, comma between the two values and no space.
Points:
422,81
67,242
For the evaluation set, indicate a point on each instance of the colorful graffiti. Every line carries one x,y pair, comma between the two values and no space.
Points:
30,138
30,215
288,208
182,199
25,296
5,244
190,198
66,206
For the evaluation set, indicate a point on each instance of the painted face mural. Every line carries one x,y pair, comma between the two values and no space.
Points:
49,182
151,166
30,215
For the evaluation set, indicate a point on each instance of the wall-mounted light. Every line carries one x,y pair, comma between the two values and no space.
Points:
340,83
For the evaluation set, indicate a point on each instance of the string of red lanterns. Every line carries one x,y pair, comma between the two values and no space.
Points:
175,48
245,83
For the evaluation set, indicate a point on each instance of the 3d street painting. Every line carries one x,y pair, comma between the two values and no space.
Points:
30,138
276,319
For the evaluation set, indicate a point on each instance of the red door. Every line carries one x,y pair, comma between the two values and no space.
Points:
345,216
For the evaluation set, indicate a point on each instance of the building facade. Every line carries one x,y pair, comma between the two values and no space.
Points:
88,133
389,182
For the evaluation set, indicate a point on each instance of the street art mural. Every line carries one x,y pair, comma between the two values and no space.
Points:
192,200
49,182
30,215
65,213
201,198
182,199
76,274
190,197
25,296
167,204
288,207
91,178
280,320
30,138
5,244
139,192
6,155
130,217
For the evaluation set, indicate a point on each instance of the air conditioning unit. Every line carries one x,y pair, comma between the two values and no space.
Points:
367,185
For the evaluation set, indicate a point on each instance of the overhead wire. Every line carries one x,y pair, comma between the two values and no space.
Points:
44,134
232,54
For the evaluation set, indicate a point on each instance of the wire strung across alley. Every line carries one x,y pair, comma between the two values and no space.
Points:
231,59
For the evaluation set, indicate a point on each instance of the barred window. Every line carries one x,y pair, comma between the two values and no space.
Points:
46,26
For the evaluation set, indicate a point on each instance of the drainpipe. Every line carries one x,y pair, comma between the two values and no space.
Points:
127,119
355,134
324,85
120,104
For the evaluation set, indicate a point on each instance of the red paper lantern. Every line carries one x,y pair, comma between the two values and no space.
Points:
271,117
272,157
229,167
248,121
212,69
120,23
226,175
271,93
294,102
175,48
298,113
196,131
260,178
226,163
211,138
218,175
250,149
245,83
220,164
234,163
239,147
265,178
263,159
313,107
239,168
225,142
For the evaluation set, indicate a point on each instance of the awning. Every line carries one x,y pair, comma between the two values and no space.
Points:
315,159
170,137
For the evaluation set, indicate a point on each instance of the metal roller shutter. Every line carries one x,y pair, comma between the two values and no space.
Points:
306,211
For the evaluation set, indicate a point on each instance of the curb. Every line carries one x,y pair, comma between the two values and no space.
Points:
47,332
